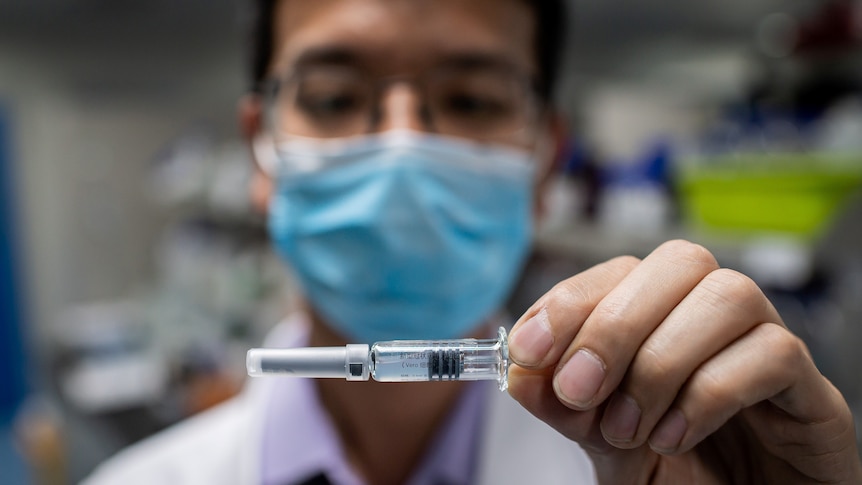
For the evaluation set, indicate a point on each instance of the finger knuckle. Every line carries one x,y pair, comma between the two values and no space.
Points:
734,287
626,261
786,349
689,252
613,313
620,266
651,368
714,388
573,295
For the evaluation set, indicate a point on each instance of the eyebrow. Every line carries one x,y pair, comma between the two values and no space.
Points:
341,55
328,55
480,60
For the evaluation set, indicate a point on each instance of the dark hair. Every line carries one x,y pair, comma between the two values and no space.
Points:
550,36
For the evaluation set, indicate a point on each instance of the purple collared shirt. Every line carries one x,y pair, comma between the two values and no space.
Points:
300,441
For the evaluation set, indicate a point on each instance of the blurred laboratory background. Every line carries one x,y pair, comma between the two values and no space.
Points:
134,273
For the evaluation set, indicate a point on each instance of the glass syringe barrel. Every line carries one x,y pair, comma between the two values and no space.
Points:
392,361
440,360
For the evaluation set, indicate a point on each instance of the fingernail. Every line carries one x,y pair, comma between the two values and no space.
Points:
580,378
621,419
668,433
532,341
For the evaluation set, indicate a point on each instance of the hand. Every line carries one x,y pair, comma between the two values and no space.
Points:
673,370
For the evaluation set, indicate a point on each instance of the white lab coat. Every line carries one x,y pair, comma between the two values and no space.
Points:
223,446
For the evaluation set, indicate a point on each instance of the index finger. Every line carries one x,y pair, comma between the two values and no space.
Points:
532,339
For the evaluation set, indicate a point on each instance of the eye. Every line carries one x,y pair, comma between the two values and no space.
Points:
473,105
330,103
473,97
476,103
329,95
324,102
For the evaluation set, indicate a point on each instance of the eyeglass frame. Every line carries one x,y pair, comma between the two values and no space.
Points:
529,86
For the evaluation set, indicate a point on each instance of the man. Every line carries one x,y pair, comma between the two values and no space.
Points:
402,145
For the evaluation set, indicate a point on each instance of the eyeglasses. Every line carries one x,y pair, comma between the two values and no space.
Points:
480,103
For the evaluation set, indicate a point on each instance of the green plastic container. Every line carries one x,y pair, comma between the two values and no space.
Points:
793,194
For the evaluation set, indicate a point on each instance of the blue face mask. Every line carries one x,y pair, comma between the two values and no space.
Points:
402,234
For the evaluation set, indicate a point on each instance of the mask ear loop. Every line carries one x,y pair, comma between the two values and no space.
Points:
543,154
264,144
263,147
544,150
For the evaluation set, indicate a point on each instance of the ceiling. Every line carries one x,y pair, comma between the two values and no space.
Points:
143,41
604,18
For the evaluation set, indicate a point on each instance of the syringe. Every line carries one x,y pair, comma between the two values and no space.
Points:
391,361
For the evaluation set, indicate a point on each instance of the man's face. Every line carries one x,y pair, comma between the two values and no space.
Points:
411,40
458,50
455,68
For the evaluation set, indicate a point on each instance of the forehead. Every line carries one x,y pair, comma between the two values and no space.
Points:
402,36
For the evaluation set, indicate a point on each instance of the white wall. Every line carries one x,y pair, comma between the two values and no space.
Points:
87,121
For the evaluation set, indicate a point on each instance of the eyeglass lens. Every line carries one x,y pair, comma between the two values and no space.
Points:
334,102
